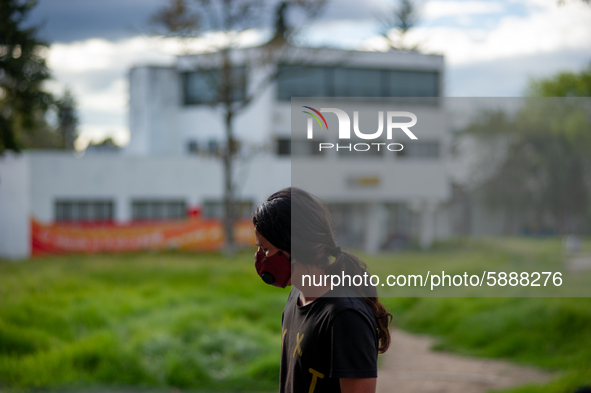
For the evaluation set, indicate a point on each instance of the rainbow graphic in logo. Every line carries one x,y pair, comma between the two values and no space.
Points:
318,113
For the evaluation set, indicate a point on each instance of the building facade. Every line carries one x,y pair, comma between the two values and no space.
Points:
172,167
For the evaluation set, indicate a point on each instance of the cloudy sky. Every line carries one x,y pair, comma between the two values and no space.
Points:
491,47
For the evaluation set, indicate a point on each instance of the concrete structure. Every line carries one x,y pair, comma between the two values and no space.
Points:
164,121
175,136
15,205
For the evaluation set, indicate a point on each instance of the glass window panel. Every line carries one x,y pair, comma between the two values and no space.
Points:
305,147
193,147
352,82
420,149
303,81
283,147
84,210
158,210
99,211
413,84
201,87
212,146
67,211
215,209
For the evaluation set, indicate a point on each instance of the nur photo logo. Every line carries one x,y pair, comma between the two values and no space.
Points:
395,120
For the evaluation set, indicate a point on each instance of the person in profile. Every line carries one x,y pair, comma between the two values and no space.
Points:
331,337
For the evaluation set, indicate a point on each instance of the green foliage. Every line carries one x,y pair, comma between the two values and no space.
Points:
545,152
22,71
196,322
400,20
553,333
68,119
542,156
547,332
569,383
563,84
206,323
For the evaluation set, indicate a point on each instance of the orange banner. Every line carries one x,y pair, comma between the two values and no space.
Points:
191,234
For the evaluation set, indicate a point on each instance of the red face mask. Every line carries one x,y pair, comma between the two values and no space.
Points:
274,270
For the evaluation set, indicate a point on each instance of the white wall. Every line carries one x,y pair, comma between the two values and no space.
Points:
155,98
409,179
15,191
59,175
155,164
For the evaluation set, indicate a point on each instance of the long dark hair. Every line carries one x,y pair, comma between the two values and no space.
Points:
293,210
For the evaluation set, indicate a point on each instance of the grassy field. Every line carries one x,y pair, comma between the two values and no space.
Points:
204,322
150,320
552,333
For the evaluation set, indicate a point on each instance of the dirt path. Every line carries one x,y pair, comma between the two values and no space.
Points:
410,366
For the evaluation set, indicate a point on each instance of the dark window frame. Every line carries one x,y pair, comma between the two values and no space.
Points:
214,209
330,75
428,146
158,209
84,210
190,99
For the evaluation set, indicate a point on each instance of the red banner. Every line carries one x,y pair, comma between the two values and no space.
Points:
191,234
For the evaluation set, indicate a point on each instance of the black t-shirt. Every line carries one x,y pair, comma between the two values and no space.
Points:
328,339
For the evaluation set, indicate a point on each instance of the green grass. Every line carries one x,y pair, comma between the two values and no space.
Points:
552,333
198,322
206,323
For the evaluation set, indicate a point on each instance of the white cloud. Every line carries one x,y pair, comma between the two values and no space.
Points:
96,70
349,33
112,99
438,9
98,132
547,30
98,54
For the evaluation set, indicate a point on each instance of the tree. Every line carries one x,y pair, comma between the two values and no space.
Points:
22,71
544,166
67,120
562,2
545,160
226,65
563,84
106,145
396,24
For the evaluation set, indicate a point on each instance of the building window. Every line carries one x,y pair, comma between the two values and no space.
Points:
205,86
413,84
419,149
84,210
306,81
349,222
213,146
301,147
303,81
283,147
352,82
192,147
158,209
356,147
215,209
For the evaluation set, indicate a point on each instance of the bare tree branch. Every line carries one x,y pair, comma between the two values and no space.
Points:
228,67
398,22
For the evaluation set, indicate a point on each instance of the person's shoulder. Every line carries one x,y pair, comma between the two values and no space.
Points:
293,296
349,304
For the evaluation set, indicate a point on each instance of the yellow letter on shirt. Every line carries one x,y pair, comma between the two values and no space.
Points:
315,376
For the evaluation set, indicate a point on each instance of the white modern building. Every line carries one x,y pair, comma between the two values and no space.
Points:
172,163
